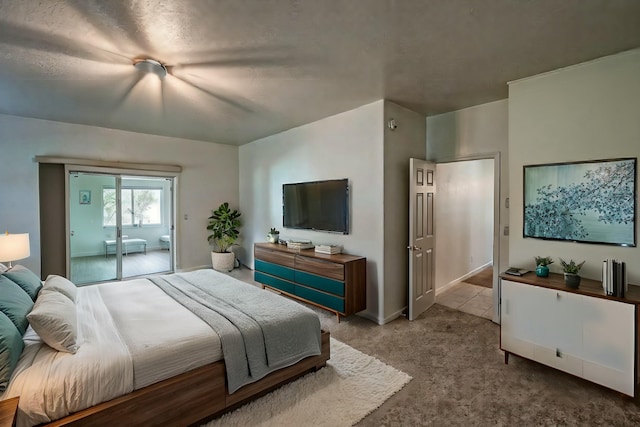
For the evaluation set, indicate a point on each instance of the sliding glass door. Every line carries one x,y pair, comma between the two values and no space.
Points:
93,248
120,226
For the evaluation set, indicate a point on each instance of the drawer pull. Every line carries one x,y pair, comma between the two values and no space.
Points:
558,353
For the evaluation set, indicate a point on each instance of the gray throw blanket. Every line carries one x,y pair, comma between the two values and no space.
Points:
260,331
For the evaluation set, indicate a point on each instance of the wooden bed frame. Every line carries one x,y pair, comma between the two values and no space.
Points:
190,398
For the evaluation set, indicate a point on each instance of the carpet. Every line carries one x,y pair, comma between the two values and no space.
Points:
349,388
482,278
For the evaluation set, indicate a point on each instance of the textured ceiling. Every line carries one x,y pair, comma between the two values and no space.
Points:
241,70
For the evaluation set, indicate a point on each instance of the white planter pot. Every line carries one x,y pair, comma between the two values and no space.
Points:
223,261
273,238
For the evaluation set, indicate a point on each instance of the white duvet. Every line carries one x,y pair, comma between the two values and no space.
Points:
131,334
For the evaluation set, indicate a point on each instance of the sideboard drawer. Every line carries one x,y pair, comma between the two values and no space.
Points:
319,266
274,269
320,298
276,257
334,282
319,282
274,282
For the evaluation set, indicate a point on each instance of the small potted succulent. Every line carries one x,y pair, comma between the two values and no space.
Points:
571,270
273,236
542,263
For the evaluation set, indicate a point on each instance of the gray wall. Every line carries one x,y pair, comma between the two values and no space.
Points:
586,112
400,145
354,145
347,145
209,177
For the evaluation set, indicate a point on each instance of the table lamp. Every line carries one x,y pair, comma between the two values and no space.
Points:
14,247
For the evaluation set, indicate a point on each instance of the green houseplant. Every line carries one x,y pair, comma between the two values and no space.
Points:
223,227
273,236
571,270
542,265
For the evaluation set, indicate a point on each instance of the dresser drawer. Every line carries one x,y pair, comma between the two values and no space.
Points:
276,257
274,269
318,266
320,283
321,298
274,282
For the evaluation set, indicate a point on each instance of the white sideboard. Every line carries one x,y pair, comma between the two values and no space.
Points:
582,332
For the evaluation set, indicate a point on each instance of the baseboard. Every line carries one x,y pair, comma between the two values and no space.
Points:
369,316
394,316
199,267
441,289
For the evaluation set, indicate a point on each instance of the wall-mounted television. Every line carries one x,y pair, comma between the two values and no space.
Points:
587,202
317,205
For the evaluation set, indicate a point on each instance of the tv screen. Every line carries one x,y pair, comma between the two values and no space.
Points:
318,205
588,202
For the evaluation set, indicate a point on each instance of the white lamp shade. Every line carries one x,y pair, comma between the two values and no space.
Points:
14,247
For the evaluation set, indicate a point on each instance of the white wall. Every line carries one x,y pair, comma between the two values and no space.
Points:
585,112
464,219
478,131
347,145
209,177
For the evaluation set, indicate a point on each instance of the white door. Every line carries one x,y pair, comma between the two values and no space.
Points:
422,239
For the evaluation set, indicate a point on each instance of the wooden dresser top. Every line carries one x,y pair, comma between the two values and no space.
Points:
339,258
587,286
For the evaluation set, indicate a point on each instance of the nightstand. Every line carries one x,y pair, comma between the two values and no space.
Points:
8,411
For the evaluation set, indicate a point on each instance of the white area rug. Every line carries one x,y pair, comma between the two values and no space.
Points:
342,393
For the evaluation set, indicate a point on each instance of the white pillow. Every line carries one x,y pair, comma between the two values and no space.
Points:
62,285
55,320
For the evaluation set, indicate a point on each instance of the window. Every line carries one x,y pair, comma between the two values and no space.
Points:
140,206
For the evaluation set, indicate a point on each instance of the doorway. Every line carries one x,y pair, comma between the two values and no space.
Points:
467,220
119,225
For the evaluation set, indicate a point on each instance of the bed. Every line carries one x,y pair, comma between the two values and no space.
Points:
151,351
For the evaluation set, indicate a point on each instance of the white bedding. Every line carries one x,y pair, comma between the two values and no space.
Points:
161,339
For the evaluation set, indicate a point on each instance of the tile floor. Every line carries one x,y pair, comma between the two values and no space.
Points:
472,299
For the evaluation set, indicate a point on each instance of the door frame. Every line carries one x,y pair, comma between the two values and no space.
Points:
497,176
120,172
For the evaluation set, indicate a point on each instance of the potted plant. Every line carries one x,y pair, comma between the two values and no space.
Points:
542,263
571,269
273,236
223,225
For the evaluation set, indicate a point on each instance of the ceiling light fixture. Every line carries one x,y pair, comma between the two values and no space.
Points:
149,65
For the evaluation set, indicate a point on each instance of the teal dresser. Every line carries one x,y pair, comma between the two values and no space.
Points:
337,283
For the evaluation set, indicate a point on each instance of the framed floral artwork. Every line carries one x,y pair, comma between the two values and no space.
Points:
588,202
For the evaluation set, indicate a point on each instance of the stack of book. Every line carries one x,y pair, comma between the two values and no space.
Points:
614,277
516,271
328,249
299,244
